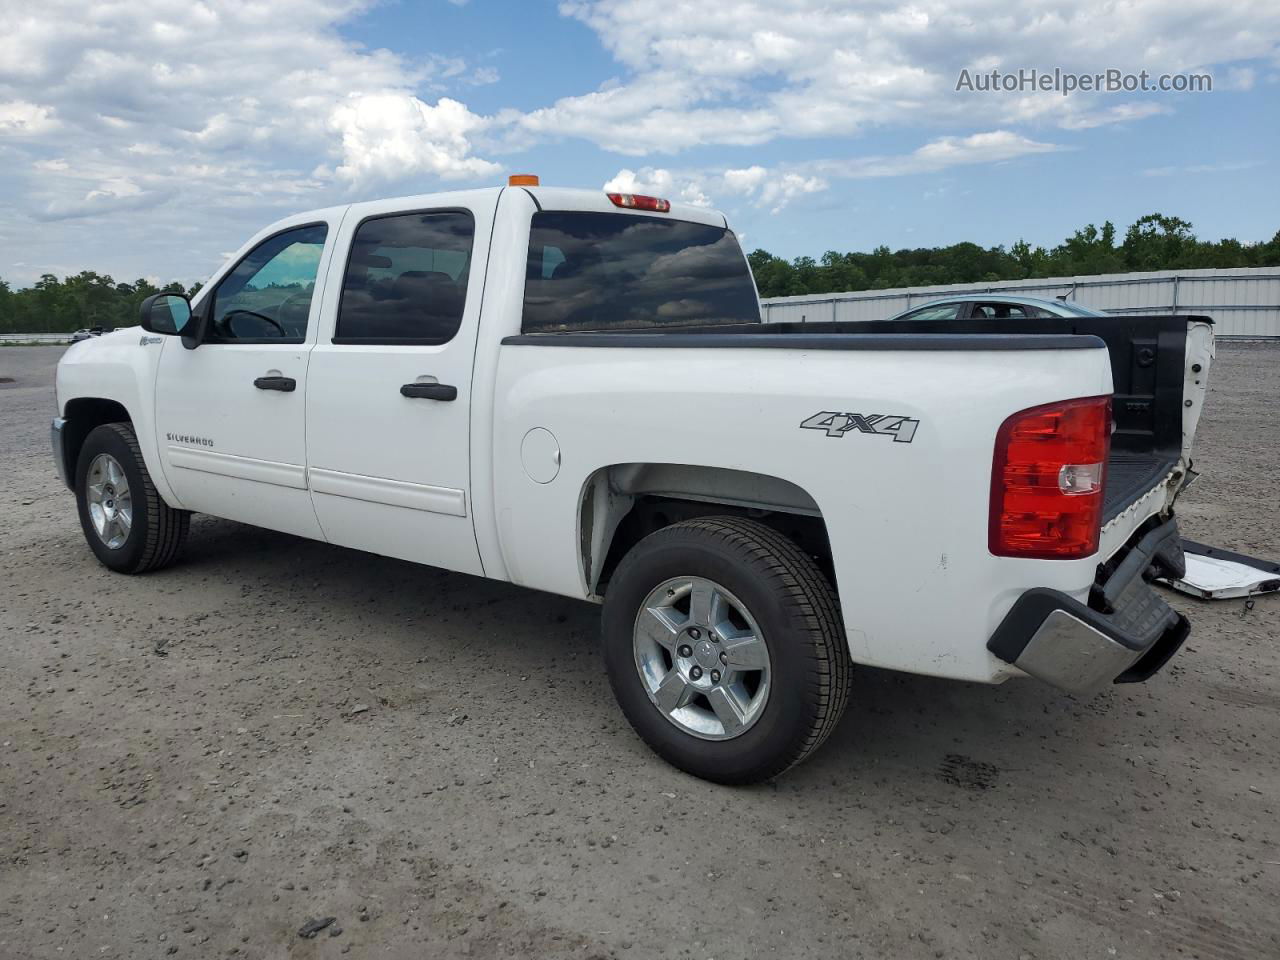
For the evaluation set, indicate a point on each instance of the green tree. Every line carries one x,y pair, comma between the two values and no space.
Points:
1153,242
1157,242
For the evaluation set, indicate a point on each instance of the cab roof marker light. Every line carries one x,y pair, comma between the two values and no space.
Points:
522,180
635,201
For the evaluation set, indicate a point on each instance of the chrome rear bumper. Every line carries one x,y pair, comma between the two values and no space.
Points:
1125,634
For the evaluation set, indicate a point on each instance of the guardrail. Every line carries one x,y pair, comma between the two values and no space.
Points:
41,338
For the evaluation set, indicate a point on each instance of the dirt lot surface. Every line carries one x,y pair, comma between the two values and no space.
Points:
199,761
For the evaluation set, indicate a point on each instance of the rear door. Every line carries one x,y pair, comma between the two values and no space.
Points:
389,385
230,413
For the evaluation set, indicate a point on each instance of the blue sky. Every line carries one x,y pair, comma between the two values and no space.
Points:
150,139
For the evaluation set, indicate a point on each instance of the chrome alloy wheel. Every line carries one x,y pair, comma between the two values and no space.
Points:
109,501
702,658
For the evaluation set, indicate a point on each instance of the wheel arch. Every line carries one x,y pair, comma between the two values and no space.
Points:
622,503
82,416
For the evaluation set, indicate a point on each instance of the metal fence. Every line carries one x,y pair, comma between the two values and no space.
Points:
35,338
1242,302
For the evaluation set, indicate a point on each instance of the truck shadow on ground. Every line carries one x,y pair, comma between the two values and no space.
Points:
911,730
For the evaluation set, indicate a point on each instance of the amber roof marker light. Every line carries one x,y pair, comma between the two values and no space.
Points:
522,180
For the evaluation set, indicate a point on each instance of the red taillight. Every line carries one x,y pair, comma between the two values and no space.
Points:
1046,480
633,201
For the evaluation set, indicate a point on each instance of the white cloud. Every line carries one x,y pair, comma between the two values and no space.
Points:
776,194
768,188
775,188
213,118
657,182
388,136
1224,166
1119,113
993,147
745,180
19,118
136,90
110,196
1241,78
743,72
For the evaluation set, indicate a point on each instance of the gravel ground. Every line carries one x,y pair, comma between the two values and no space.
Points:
199,761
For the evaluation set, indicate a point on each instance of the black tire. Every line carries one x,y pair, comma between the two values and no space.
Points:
157,531
795,608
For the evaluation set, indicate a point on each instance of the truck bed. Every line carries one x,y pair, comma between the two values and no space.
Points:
1147,354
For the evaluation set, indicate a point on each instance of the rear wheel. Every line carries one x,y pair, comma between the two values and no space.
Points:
724,649
127,525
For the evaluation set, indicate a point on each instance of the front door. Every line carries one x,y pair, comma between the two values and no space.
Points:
389,392
230,414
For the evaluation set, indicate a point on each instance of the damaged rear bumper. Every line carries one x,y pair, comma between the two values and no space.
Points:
1123,635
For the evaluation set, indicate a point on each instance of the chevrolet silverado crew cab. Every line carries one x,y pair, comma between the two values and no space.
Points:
573,391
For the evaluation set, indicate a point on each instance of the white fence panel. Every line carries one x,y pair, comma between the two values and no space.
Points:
35,338
1242,302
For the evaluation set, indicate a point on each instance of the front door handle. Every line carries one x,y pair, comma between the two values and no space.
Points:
283,384
429,391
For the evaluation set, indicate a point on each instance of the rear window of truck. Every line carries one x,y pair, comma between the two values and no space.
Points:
611,271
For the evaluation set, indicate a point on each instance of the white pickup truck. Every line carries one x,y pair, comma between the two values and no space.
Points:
572,391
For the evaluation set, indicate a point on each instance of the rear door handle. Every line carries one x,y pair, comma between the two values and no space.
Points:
429,391
283,384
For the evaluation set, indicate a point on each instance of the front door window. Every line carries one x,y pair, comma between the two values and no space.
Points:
266,298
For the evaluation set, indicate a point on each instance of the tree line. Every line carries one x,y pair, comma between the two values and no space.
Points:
1154,242
85,300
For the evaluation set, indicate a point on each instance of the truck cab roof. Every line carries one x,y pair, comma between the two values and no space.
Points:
548,198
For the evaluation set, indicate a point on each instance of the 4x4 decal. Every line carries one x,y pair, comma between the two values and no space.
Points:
902,429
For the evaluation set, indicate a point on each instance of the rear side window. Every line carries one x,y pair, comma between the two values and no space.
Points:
611,271
1003,311
406,279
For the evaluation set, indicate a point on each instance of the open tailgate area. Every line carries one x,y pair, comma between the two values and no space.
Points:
1154,383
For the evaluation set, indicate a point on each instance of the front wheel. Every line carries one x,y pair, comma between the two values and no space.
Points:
127,525
724,648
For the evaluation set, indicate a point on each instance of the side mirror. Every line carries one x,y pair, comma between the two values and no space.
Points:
167,313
